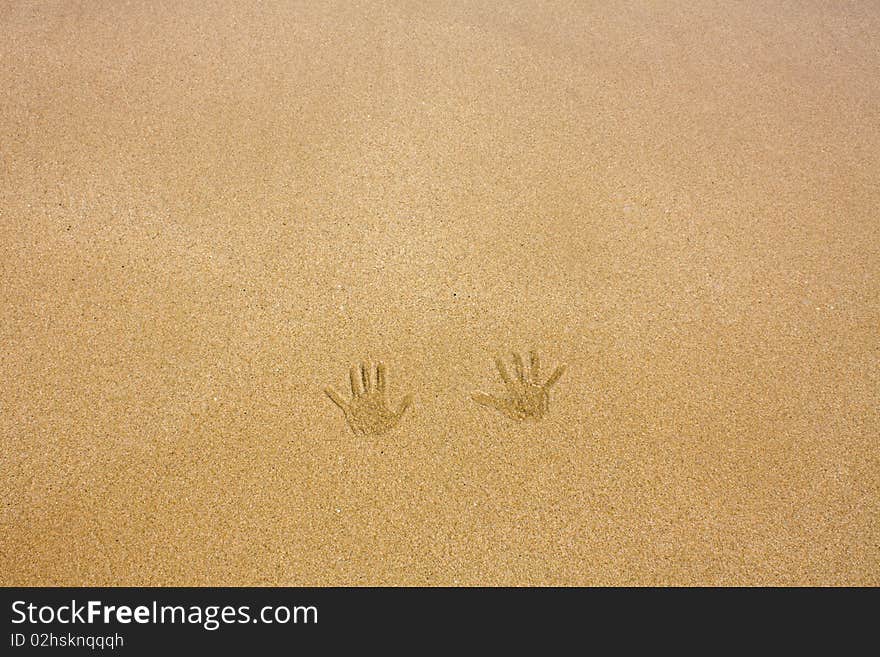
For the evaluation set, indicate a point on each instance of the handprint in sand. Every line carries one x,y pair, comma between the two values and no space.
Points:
367,413
526,397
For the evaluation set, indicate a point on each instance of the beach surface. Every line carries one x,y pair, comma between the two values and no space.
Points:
209,212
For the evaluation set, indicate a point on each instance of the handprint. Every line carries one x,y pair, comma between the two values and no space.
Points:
367,413
526,398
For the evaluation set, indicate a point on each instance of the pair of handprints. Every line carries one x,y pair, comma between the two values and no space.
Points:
368,412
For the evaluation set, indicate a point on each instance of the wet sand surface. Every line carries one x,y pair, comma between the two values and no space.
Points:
210,211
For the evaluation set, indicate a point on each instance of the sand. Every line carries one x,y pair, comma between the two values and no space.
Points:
209,212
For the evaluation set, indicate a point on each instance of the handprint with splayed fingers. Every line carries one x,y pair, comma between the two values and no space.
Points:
368,413
526,398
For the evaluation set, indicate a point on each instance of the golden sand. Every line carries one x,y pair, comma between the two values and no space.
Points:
209,212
